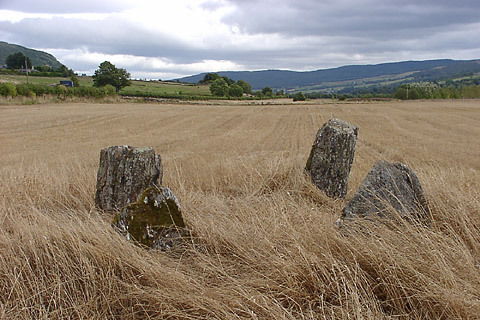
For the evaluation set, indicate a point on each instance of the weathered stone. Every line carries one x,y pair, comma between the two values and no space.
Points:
389,186
124,172
154,221
331,157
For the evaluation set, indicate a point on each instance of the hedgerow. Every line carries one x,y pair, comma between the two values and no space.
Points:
38,90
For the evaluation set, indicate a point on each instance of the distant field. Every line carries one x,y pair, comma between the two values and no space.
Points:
358,83
86,81
156,88
142,88
265,245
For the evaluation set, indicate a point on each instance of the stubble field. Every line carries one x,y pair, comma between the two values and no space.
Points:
265,245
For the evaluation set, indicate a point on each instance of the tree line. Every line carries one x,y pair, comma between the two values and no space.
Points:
19,60
226,87
106,74
107,80
432,90
222,86
8,89
449,89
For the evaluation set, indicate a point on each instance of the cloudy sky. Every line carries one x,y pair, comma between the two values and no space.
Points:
166,39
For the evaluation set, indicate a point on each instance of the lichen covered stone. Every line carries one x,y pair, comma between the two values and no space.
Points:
124,172
389,189
154,220
331,157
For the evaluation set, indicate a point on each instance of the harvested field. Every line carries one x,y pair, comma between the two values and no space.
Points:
265,245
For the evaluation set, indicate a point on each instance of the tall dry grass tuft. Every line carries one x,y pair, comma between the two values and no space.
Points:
264,243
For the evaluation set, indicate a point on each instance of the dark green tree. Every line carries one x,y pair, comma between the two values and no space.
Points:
235,90
247,88
228,80
107,73
17,61
299,96
64,71
450,83
414,94
219,88
401,93
267,92
44,69
210,77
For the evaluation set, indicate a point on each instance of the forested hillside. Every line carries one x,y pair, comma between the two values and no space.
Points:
380,74
38,58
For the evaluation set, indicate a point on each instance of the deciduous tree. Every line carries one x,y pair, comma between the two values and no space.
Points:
210,77
17,61
299,96
107,73
219,88
234,90
247,88
267,92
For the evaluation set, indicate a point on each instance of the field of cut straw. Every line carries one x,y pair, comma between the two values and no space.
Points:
264,243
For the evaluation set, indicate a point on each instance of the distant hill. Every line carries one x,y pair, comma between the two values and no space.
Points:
39,58
355,75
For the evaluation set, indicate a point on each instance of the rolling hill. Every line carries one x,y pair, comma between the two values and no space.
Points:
354,75
39,58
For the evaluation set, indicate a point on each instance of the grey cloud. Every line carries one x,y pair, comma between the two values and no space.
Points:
311,34
110,36
115,36
212,5
378,18
56,7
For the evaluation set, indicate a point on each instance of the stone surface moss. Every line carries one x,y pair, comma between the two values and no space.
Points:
143,221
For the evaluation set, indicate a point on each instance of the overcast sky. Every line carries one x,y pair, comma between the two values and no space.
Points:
169,39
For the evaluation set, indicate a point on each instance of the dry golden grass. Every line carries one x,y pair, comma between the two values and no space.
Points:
265,244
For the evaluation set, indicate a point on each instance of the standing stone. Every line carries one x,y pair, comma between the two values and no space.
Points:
331,157
387,186
154,221
124,172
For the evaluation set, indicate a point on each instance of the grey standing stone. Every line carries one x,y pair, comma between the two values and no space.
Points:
124,172
331,157
387,186
154,221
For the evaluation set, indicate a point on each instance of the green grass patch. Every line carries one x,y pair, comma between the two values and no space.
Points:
139,88
19,79
165,89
